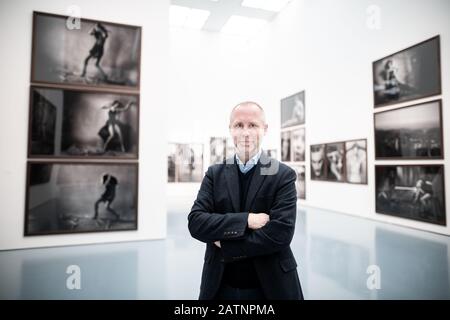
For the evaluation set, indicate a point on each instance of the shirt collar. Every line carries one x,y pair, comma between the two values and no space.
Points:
244,168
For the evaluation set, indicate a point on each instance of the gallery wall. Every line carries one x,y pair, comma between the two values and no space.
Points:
325,48
15,57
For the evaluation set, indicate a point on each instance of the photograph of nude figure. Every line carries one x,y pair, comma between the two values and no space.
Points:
73,197
83,52
83,124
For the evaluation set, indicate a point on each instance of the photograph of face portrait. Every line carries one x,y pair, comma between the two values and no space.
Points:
335,157
84,52
411,191
73,123
298,145
318,162
293,110
412,73
356,161
80,197
185,162
413,132
300,183
286,146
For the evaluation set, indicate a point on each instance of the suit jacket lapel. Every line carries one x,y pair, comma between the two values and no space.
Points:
231,176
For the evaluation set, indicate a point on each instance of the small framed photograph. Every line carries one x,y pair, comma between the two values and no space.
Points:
412,192
412,73
273,153
185,162
298,145
319,170
74,197
83,52
293,110
356,161
83,124
221,148
286,146
412,132
335,157
300,183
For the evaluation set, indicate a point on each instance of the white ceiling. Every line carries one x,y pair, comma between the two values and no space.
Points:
222,10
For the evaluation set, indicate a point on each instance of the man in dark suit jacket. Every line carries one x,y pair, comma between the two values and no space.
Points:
245,212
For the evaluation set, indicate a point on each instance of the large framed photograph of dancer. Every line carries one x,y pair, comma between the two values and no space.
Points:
293,110
411,191
412,73
356,161
412,132
185,162
73,197
83,124
83,52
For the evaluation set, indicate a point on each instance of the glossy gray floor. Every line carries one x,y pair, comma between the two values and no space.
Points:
334,253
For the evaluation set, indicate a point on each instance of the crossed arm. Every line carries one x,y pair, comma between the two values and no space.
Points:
243,234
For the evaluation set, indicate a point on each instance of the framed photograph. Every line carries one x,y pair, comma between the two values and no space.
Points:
411,191
221,148
300,183
356,161
412,132
185,162
218,149
63,197
412,73
298,145
319,162
85,52
83,124
273,153
293,110
286,146
335,157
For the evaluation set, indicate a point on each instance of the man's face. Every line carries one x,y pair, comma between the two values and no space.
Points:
317,158
247,128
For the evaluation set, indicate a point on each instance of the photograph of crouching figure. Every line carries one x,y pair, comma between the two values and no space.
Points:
245,212
72,123
80,197
411,191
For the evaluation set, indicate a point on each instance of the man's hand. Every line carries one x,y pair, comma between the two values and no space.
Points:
257,220
217,243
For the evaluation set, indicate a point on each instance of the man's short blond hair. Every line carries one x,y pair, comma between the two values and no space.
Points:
248,103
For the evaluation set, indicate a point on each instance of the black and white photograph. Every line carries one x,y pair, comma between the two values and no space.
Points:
80,197
185,162
356,161
217,147
298,145
412,73
300,183
411,191
335,156
87,124
286,146
413,132
293,110
318,162
85,52
273,153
